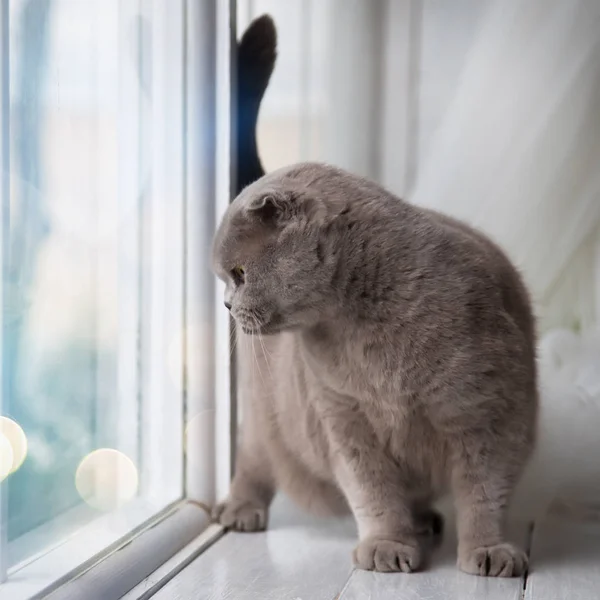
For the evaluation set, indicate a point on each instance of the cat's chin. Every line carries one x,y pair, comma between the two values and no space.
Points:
259,330
250,330
270,328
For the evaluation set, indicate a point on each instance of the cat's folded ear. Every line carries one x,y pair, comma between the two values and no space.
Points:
272,208
277,208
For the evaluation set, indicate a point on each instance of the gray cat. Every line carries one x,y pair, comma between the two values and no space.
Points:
394,360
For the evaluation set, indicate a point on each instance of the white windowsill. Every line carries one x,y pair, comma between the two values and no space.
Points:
170,569
45,568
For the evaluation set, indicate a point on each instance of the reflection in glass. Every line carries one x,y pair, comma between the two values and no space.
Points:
80,148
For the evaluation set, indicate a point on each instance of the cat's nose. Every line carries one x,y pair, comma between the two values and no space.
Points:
227,305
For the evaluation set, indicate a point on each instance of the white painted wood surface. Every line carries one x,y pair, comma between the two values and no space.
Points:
303,558
441,581
299,558
565,562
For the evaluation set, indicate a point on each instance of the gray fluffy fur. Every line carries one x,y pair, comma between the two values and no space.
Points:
395,361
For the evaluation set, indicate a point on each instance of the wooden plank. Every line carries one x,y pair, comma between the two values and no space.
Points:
565,562
298,558
442,581
304,558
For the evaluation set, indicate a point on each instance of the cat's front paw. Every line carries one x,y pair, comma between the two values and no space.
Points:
241,515
501,560
387,556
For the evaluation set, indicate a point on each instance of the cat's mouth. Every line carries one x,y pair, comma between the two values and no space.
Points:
263,329
249,330
250,324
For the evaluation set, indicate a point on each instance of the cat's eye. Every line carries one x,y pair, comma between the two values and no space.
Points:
238,273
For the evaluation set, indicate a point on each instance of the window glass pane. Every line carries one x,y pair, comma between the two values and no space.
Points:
88,312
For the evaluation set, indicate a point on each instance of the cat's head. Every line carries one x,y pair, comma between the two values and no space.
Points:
274,257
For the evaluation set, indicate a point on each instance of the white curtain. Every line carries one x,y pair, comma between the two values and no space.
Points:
485,109
518,150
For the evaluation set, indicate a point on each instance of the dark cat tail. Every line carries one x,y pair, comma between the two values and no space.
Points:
256,55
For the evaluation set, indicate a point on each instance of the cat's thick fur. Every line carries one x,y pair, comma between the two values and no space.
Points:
387,355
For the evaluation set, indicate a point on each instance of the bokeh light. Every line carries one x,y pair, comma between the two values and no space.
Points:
14,434
6,457
106,479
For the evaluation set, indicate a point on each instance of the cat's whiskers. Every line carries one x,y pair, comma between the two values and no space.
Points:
256,358
267,355
232,341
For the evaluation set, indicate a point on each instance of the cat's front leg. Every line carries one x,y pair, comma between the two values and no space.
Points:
251,493
483,478
380,493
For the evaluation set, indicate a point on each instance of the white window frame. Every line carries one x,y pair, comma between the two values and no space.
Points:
150,546
4,199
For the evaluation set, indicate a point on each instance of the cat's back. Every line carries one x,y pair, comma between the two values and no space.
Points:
482,254
459,269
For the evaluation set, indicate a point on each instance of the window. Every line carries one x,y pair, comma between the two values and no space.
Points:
116,425
108,329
